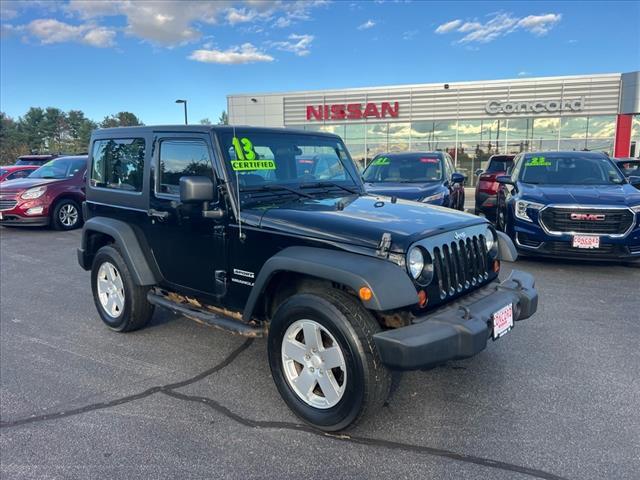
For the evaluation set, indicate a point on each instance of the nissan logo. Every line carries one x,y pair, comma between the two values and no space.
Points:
592,217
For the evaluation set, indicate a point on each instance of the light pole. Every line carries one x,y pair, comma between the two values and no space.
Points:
184,102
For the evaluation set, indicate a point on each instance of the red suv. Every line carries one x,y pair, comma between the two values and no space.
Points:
51,195
15,171
487,187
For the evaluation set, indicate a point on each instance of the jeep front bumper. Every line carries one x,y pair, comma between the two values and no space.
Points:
458,330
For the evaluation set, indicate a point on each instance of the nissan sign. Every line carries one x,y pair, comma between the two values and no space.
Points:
539,106
353,111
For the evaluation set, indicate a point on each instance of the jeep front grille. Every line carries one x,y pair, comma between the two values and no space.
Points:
460,265
616,221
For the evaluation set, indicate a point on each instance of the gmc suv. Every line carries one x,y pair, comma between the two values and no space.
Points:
224,226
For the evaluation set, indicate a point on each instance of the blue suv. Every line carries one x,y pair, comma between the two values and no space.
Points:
427,177
570,205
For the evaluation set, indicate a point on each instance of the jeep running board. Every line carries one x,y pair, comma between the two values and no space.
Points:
205,316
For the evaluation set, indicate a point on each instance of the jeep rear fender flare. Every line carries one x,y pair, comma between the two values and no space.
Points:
390,284
128,244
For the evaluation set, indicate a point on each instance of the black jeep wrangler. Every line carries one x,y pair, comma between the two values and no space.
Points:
269,232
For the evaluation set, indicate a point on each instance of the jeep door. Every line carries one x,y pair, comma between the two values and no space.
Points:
188,248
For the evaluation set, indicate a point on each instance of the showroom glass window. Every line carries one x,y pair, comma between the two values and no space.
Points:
179,158
118,164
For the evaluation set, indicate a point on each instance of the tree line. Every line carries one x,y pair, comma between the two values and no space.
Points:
52,130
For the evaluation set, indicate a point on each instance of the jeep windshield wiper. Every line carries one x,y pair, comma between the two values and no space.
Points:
275,188
328,184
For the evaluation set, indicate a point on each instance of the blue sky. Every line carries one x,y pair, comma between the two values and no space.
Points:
103,57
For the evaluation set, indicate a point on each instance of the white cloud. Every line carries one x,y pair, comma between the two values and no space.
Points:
298,44
100,37
447,27
500,24
540,24
245,53
176,22
49,31
367,25
524,74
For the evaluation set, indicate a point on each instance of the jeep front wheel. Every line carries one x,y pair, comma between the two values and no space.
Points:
122,304
324,361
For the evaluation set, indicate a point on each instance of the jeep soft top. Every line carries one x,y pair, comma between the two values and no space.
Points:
269,232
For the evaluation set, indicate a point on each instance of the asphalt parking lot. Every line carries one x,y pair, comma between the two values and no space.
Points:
558,397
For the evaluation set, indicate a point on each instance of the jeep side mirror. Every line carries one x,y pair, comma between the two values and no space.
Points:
196,189
505,180
457,177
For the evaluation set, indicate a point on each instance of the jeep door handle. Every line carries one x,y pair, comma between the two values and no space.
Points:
157,213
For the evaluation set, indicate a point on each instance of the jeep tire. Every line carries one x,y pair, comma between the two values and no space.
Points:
122,304
342,359
66,215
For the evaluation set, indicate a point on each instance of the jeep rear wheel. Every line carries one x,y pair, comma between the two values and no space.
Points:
324,361
122,304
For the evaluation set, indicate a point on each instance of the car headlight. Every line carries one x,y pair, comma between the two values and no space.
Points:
415,262
521,209
491,240
32,193
433,198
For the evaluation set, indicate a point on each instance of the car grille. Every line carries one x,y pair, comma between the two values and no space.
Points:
8,198
558,219
460,265
7,204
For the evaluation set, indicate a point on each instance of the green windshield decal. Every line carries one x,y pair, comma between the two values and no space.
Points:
246,157
538,162
244,165
381,161
244,148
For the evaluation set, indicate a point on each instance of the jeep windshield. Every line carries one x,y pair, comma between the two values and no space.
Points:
569,169
405,168
59,168
287,163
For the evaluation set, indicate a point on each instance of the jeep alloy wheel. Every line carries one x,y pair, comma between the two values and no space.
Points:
110,290
313,363
122,305
323,359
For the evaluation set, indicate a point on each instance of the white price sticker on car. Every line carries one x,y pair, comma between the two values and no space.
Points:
585,241
502,321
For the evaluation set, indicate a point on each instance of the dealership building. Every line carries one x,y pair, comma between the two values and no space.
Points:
470,120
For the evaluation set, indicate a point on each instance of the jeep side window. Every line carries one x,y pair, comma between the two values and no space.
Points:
118,163
180,158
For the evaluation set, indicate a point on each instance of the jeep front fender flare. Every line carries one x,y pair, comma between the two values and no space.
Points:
390,284
128,244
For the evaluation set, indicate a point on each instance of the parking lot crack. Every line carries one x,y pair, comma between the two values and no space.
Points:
373,442
129,398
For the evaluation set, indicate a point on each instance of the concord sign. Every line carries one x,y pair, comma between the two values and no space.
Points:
538,106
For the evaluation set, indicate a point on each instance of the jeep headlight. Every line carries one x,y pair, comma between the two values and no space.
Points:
521,209
433,198
32,193
415,262
491,240
636,209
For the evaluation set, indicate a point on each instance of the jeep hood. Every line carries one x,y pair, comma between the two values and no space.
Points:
361,220
408,191
611,195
